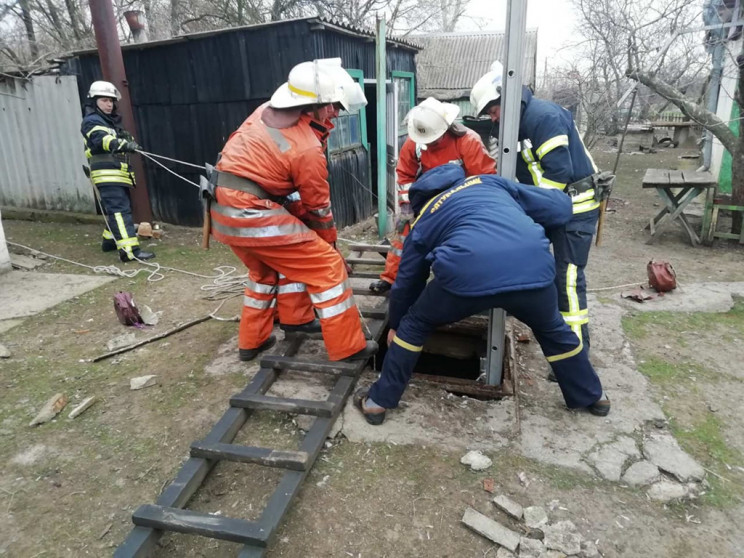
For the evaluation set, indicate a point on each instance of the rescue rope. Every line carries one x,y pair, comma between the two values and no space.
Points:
174,173
150,155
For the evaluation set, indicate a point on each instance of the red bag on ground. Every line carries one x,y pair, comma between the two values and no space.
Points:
126,309
661,276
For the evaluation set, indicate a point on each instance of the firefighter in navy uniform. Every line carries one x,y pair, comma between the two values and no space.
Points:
107,148
483,237
553,156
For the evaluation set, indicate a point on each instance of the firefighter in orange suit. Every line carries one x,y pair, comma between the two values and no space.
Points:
289,244
434,139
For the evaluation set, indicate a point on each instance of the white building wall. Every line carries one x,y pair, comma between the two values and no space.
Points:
4,255
725,101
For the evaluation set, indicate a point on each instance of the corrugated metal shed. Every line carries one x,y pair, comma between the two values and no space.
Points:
191,92
451,63
41,149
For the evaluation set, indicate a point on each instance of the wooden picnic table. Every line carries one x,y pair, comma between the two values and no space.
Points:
676,189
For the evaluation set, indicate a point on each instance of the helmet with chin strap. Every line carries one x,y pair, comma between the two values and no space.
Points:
103,89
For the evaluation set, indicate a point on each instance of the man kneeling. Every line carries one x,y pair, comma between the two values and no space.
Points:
484,238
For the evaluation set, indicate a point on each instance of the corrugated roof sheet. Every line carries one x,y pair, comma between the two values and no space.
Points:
451,63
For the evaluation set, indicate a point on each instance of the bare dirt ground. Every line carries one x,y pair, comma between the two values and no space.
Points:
68,487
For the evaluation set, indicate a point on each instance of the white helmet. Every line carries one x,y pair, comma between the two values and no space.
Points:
321,81
488,88
103,89
430,119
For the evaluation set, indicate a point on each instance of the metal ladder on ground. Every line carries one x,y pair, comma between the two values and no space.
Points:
169,512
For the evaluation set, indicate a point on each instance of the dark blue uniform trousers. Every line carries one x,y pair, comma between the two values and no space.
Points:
117,208
536,308
571,245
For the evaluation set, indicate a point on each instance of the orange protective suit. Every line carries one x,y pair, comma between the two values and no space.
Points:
291,239
466,149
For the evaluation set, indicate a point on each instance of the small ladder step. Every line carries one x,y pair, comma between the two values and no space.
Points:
198,523
365,274
370,247
290,363
284,459
374,313
300,406
365,261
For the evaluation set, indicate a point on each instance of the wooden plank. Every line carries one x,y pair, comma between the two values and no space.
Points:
197,523
370,247
365,275
701,179
655,177
365,261
283,404
303,365
284,459
374,313
675,179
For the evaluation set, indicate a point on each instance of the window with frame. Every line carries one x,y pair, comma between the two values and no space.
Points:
403,87
347,132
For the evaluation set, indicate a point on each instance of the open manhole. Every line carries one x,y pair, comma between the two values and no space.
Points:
452,358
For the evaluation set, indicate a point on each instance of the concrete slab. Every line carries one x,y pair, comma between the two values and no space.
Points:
695,297
24,294
5,325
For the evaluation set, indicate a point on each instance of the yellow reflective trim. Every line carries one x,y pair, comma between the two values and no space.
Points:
552,143
532,165
547,183
88,154
126,241
407,346
302,92
108,131
569,354
107,234
586,206
586,196
107,142
423,210
582,312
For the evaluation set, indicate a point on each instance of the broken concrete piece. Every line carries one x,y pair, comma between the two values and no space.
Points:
491,529
589,550
564,537
84,406
663,451
121,341
305,423
504,553
535,517
666,491
4,351
50,409
530,548
641,474
143,382
509,506
24,263
609,462
476,460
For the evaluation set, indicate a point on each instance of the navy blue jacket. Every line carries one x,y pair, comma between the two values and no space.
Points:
552,152
480,236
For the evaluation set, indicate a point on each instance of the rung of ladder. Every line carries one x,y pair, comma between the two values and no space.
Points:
284,459
370,247
268,403
198,523
365,274
366,292
290,363
374,313
365,261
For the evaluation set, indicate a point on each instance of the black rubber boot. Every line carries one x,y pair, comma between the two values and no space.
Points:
365,354
108,245
380,286
139,255
247,355
312,326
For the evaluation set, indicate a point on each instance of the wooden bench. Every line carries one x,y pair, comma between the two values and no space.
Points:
688,186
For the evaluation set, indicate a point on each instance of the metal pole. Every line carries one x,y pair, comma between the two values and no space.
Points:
112,68
381,70
511,105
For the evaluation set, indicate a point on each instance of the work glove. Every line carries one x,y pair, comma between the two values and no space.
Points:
129,147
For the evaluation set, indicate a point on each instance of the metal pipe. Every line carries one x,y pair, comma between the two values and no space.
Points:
381,70
112,68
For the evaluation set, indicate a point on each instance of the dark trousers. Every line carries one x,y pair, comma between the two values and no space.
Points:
536,308
117,208
571,245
